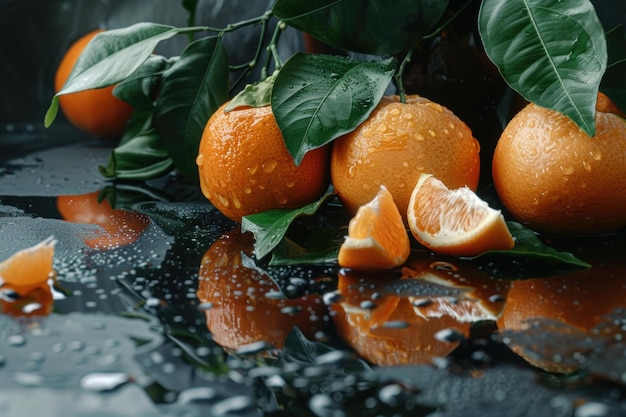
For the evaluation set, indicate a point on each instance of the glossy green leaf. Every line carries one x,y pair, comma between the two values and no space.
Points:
552,52
373,26
317,98
614,82
111,57
191,90
139,158
529,247
269,227
140,88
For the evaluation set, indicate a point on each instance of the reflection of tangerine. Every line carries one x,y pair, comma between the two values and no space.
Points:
241,311
30,301
427,299
96,111
580,300
121,227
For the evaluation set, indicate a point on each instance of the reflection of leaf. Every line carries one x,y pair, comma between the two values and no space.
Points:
269,227
317,98
371,26
531,253
552,52
192,89
290,253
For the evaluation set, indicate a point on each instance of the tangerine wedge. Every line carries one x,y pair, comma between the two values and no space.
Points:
30,266
455,222
377,237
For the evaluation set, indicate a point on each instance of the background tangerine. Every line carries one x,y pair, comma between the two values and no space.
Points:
98,111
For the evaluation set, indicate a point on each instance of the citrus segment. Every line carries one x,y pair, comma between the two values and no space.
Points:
455,222
554,178
397,143
96,111
245,167
30,266
377,238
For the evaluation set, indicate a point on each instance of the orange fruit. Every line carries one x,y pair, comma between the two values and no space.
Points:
242,311
119,227
455,222
97,112
29,267
554,178
396,144
245,167
34,300
377,238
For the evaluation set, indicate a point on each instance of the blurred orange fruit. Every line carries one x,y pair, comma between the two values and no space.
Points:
455,222
29,267
97,111
397,143
377,238
245,167
554,178
119,227
32,300
242,310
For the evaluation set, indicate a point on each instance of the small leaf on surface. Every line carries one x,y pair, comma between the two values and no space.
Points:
269,227
552,52
317,98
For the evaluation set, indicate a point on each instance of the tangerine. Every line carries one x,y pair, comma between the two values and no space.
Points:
554,178
455,222
98,111
377,238
397,143
30,267
245,167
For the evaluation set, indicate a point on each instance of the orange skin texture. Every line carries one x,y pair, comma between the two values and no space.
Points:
396,144
555,179
241,312
120,227
97,112
245,167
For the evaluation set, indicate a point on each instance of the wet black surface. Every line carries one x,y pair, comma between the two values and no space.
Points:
146,327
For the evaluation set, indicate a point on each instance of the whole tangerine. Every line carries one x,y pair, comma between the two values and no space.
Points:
97,112
245,167
554,178
398,142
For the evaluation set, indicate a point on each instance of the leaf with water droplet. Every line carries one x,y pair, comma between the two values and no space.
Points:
317,98
269,227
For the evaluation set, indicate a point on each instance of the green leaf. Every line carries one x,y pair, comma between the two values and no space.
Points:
192,89
140,89
289,252
139,158
269,227
111,57
552,52
529,247
254,95
317,98
614,83
370,27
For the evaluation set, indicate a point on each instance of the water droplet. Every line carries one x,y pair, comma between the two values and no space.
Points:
103,381
269,166
16,340
449,335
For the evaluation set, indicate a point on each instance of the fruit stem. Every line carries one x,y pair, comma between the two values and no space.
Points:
400,73
273,51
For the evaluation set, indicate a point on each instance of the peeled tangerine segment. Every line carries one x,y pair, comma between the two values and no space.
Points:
377,238
455,222
29,266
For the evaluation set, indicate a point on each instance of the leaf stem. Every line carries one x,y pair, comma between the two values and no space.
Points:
400,73
448,21
273,50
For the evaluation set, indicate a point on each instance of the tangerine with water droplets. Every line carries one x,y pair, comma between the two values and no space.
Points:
554,178
245,167
398,142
